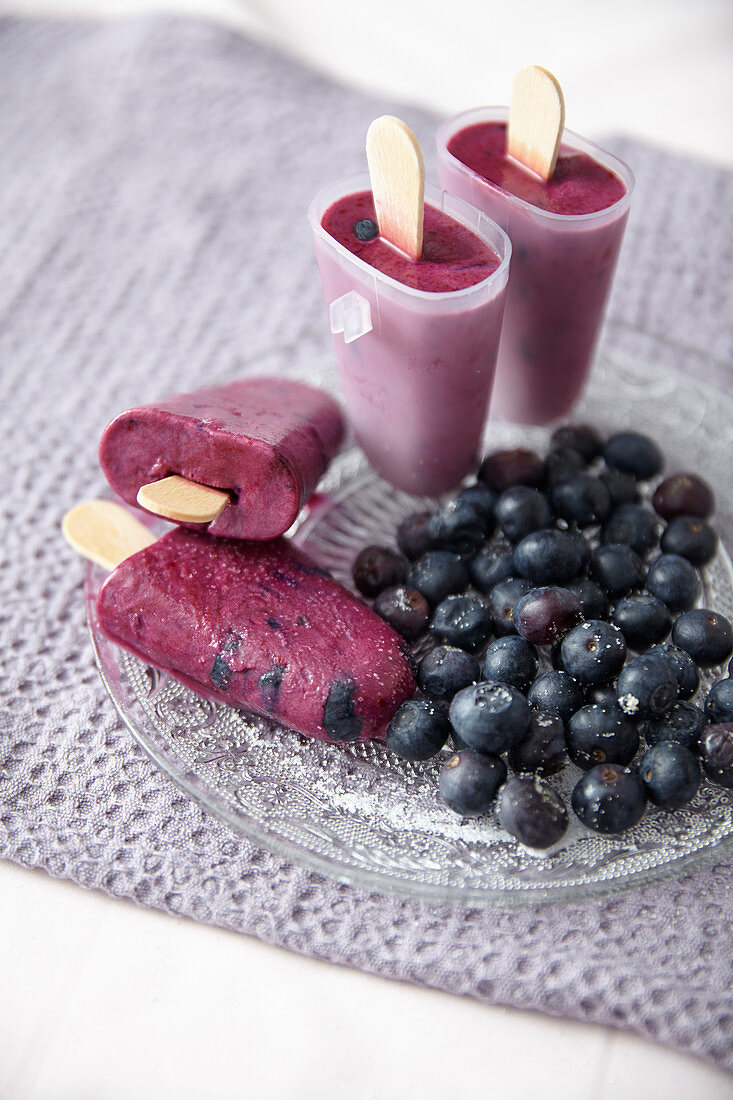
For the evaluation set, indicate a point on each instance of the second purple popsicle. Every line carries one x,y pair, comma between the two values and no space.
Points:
259,625
566,234
265,441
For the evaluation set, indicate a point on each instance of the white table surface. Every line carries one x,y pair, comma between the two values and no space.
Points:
100,999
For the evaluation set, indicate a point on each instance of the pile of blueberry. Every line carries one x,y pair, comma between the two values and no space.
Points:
559,598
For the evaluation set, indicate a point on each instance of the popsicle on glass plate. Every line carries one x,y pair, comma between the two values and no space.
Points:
254,624
252,451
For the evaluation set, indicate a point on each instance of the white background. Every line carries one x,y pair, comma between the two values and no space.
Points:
661,70
101,1000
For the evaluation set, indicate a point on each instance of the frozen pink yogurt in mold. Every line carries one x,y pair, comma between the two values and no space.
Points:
566,235
415,341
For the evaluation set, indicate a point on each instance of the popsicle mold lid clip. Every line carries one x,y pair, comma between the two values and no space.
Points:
351,315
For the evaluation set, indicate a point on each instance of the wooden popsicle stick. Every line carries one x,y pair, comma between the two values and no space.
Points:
536,120
105,532
182,500
397,174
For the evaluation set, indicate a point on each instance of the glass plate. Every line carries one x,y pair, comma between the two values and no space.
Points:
359,814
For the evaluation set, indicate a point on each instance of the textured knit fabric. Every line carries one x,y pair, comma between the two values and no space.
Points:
152,218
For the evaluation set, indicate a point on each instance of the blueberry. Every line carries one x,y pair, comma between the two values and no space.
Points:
674,580
593,600
603,694
634,454
418,730
557,692
503,598
521,510
270,684
221,673
445,670
716,753
622,488
683,495
437,574
459,526
631,525
503,469
542,749
646,687
548,557
609,798
405,609
545,615
340,721
593,652
482,498
691,538
510,660
719,702
366,229
578,437
582,499
644,620
469,782
682,724
463,621
583,547
617,569
705,635
683,666
671,775
601,733
376,568
414,535
531,812
490,717
562,463
490,566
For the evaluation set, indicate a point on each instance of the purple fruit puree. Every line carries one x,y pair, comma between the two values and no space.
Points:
417,375
259,625
579,184
566,235
265,440
453,258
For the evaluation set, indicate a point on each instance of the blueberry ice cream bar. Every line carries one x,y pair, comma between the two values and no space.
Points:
257,625
238,460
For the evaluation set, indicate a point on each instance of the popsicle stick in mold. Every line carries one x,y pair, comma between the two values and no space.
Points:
536,120
104,532
182,500
397,174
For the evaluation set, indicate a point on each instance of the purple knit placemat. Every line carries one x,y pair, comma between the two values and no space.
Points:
155,179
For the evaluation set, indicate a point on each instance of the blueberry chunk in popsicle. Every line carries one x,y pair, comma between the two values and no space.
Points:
261,626
264,441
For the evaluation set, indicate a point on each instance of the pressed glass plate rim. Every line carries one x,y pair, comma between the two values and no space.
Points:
383,880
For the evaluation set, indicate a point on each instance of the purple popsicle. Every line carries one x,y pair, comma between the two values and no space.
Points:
566,234
266,441
259,625
417,379
453,257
